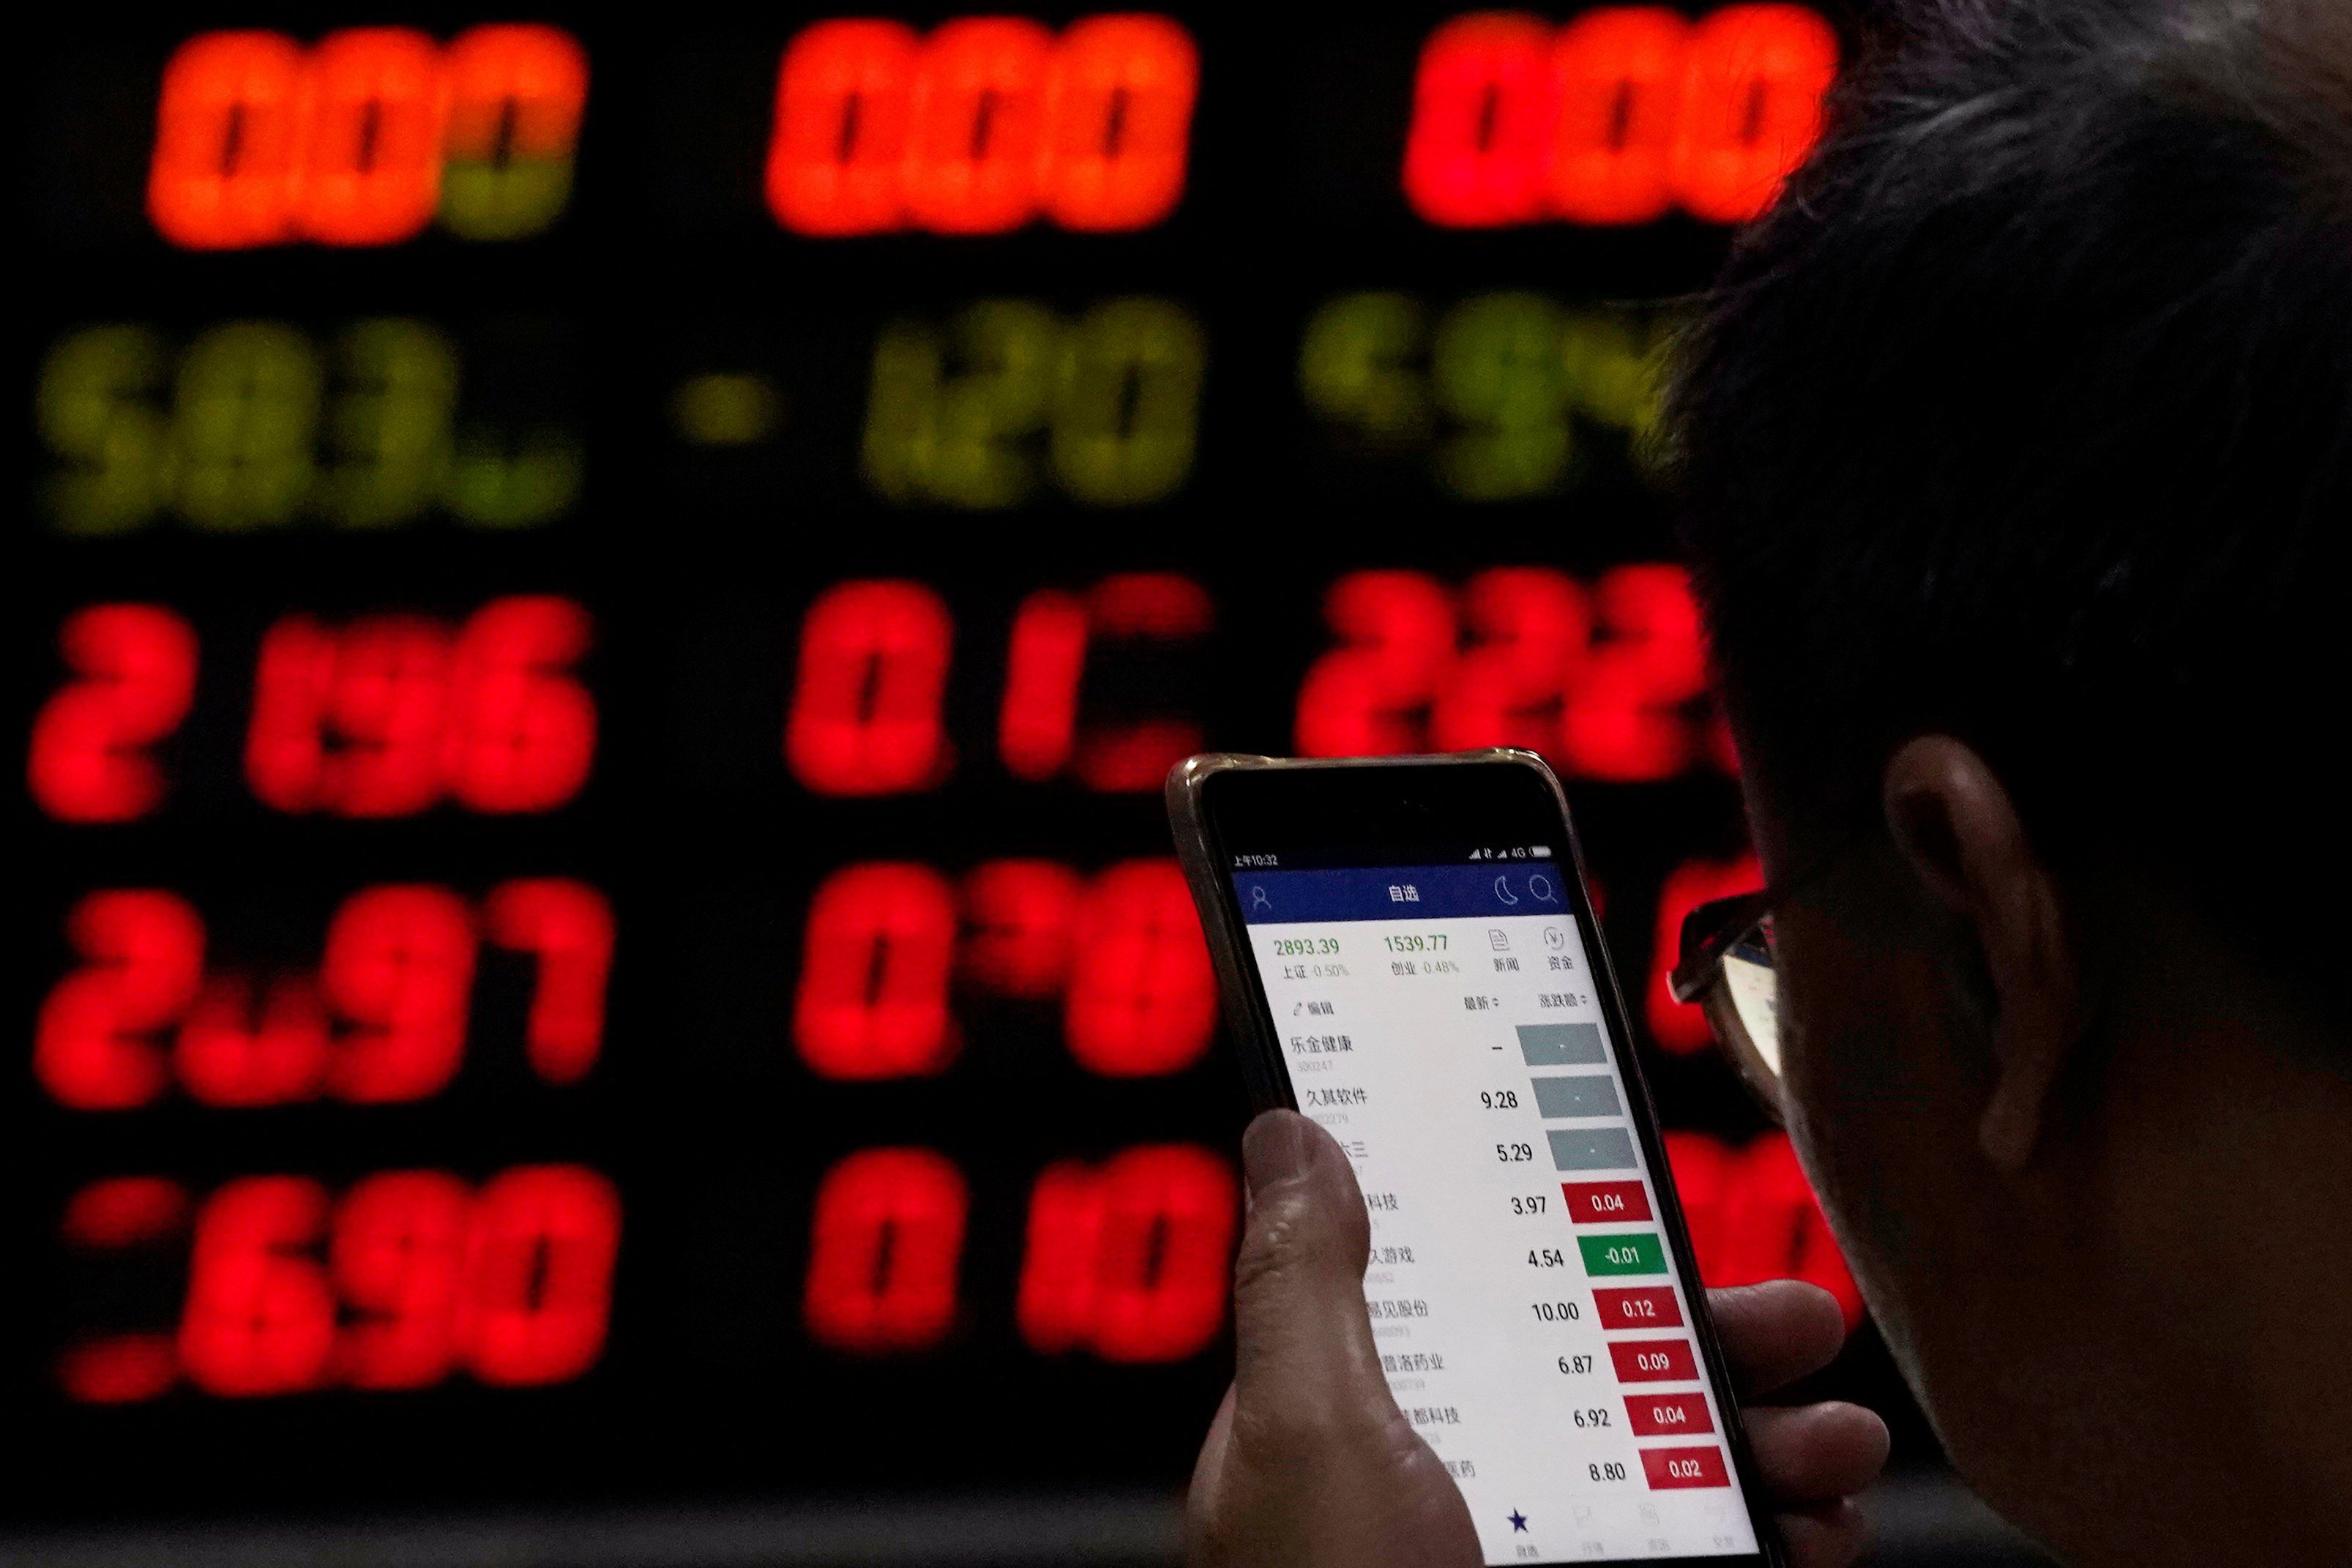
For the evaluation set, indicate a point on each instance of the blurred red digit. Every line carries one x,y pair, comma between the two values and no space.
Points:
1480,134
1618,73
399,969
874,966
260,1317
866,708
567,927
133,678
977,126
537,1300
227,171
1371,695
398,1255
142,954
885,1242
376,100
1142,999
844,97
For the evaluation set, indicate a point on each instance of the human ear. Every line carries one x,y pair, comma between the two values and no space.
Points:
1958,830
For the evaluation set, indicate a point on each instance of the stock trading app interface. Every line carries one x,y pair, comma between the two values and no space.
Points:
1444,1024
604,605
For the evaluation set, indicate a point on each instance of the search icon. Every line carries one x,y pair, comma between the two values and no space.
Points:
1541,887
1503,892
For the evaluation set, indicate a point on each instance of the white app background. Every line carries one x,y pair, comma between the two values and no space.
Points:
1538,1339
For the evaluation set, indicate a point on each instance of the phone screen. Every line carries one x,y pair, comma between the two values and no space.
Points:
1445,1022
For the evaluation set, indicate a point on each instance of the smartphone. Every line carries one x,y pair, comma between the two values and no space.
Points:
1408,954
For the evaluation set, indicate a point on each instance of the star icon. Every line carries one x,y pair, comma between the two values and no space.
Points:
1518,1522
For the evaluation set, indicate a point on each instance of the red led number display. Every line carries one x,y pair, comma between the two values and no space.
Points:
383,1019
1038,732
1126,1259
884,1246
404,1279
868,707
982,126
390,715
132,678
386,715
1619,117
869,710
363,138
1607,676
888,941
1606,679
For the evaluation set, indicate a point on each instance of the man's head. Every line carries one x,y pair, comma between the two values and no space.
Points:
2017,454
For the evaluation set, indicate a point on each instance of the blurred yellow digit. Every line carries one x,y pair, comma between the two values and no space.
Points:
1495,368
948,415
1612,364
246,416
902,411
1357,369
501,479
96,408
517,91
389,427
1128,404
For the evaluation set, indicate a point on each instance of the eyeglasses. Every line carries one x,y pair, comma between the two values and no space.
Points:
1725,965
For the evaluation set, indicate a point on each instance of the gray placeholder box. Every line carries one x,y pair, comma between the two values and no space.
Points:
1590,1148
1587,1094
1562,1044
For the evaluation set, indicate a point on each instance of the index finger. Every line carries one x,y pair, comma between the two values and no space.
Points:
1775,1333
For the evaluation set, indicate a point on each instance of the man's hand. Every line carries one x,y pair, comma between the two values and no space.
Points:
1310,1463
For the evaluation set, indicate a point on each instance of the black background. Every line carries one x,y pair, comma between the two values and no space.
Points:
698,565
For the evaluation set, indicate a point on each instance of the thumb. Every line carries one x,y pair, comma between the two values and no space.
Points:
1303,1353
1311,1464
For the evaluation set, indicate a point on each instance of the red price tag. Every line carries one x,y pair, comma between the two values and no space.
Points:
1668,1415
1654,1360
1605,1202
1644,1307
1676,1470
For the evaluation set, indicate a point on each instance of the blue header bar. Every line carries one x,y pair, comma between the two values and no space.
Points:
1403,893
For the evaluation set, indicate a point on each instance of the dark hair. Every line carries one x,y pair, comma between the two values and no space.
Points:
2026,416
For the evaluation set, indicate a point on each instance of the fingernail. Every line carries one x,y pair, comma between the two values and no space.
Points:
1274,1149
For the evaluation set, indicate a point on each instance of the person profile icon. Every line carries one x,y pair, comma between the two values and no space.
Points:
1258,900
